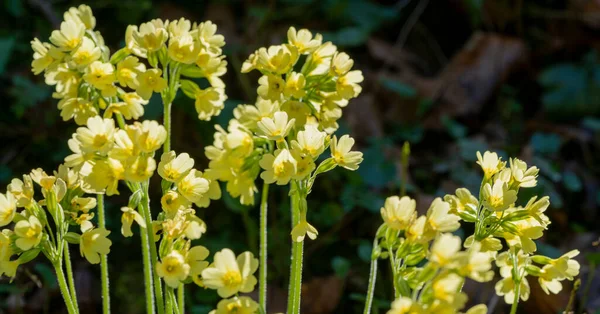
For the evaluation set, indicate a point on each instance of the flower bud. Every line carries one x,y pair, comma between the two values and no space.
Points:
541,259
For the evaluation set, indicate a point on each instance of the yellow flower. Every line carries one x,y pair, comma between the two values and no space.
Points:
151,137
193,186
69,36
444,249
238,141
279,168
212,68
405,305
195,228
320,59
8,207
236,305
139,168
341,64
86,53
525,177
490,163
475,264
82,14
151,36
214,193
44,56
564,267
462,202
100,75
129,216
439,218
276,128
537,208
303,40
22,191
310,141
398,213
97,136
94,242
304,165
506,287
209,102
446,287
196,257
209,39
173,167
173,269
150,81
298,111
179,27
83,204
277,59
416,230
347,85
183,49
79,108
131,107
173,202
29,233
294,85
103,176
128,70
341,154
478,309
229,275
302,229
498,197
271,87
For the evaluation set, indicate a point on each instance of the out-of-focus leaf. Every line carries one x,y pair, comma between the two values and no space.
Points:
572,181
412,134
365,249
369,14
47,275
27,94
398,87
455,129
424,106
5,173
341,266
591,123
545,143
547,250
468,148
6,46
347,37
376,170
547,187
593,258
546,168
14,7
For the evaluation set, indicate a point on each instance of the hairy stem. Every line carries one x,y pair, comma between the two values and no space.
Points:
262,283
147,269
103,259
181,298
295,288
70,277
64,289
147,214
167,125
372,280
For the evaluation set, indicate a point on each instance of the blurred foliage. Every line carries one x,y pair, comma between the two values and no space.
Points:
423,78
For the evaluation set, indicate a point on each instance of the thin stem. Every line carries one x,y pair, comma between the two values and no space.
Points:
147,269
168,301
174,301
70,277
152,247
262,283
513,308
167,125
64,290
181,298
372,280
103,259
295,288
517,280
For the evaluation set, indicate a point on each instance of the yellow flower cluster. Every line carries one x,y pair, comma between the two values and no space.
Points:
62,199
88,79
404,238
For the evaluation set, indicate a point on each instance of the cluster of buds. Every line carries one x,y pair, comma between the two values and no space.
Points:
407,240
63,200
282,136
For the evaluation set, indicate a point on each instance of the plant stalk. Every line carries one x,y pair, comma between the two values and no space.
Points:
181,298
372,280
147,268
103,259
262,283
167,125
70,277
151,245
295,288
64,289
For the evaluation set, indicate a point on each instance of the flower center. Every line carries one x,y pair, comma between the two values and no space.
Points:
232,279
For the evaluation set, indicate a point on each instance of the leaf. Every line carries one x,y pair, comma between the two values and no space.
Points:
468,148
398,87
341,266
365,249
368,14
572,181
376,170
27,94
347,37
6,47
545,143
14,7
546,168
47,275
455,129
591,123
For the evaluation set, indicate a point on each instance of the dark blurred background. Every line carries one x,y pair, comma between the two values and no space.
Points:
451,77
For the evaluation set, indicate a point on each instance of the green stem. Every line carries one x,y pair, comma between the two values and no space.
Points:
103,259
70,277
168,301
64,290
146,213
167,125
181,298
147,268
513,308
372,280
295,288
262,282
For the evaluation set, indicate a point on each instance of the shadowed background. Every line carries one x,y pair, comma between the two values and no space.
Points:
450,77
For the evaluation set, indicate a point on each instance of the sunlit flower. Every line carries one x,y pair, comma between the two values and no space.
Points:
173,167
129,216
69,36
302,229
173,269
230,276
303,40
279,168
498,197
340,152
150,81
276,128
94,242
8,208
398,213
29,233
236,305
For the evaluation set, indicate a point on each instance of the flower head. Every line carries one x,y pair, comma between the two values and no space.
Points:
498,197
129,216
29,233
173,269
340,152
279,168
276,128
173,167
302,229
398,213
94,242
236,305
8,208
229,275
490,163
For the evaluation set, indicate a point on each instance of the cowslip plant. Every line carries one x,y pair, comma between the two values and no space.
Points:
305,83
428,263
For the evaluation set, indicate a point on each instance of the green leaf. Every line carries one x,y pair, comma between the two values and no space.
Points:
47,275
365,249
455,129
347,37
14,7
341,266
6,46
545,143
27,94
572,181
398,87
